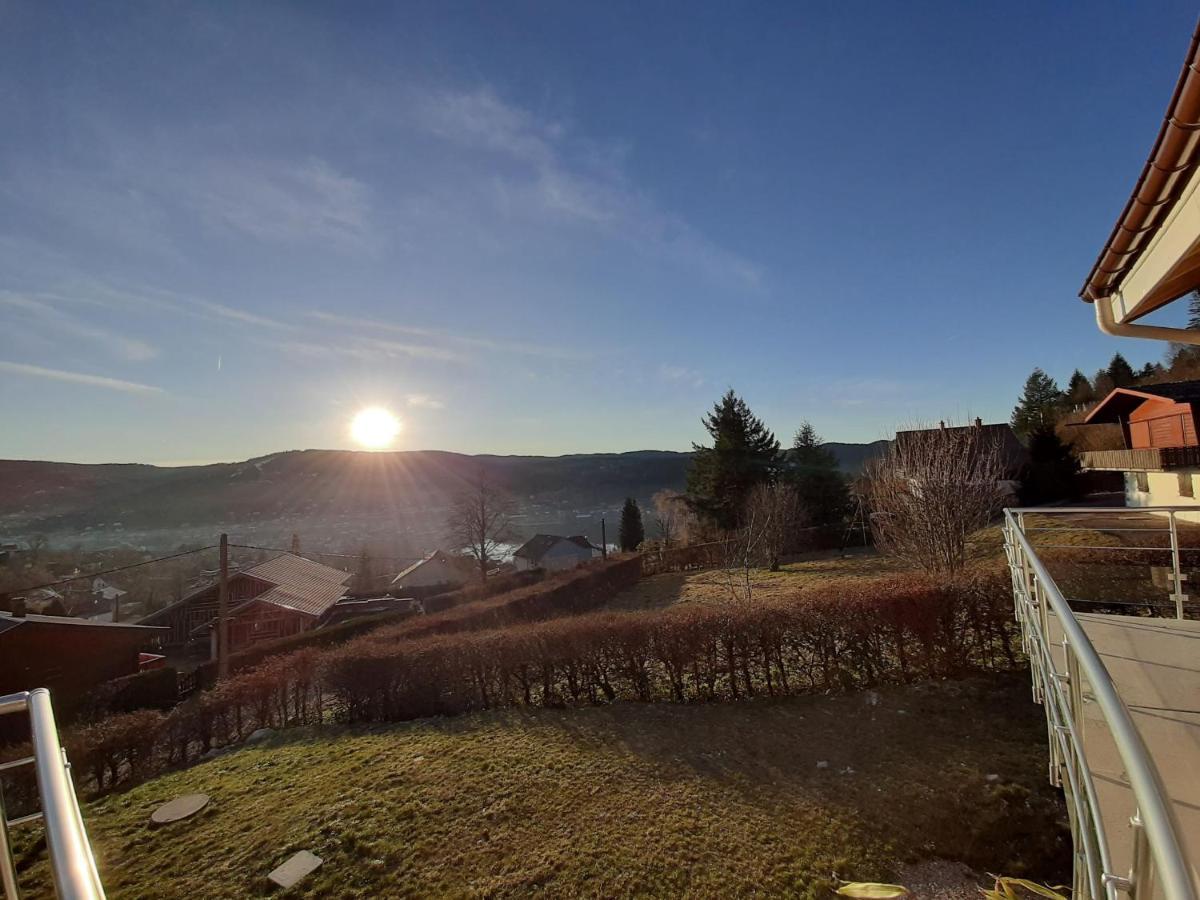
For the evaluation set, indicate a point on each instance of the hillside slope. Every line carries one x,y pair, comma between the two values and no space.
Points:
715,800
314,490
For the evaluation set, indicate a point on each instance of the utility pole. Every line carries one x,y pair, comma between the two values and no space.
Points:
223,611
603,540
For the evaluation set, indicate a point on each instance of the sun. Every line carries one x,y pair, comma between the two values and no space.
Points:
374,428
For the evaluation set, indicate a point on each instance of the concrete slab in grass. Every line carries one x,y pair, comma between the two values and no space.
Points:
297,866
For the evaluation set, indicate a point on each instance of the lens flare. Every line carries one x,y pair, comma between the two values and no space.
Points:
374,428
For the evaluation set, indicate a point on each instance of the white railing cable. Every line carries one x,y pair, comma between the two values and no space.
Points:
1156,830
71,862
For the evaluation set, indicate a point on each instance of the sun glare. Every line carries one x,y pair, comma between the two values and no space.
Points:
374,428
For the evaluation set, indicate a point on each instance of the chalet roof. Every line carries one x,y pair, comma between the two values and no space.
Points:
300,584
1122,401
296,583
540,544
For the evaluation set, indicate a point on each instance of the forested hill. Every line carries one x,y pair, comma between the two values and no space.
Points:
321,485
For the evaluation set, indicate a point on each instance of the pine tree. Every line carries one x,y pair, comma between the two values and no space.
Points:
819,481
1193,321
1052,472
1079,389
631,533
744,453
1120,371
1147,371
1039,405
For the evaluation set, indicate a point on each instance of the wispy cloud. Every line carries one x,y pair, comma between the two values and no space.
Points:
467,340
681,375
57,324
284,201
112,384
570,178
424,401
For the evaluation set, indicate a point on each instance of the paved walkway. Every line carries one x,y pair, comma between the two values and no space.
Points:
1155,664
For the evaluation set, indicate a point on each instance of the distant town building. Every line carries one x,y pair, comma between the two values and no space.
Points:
551,551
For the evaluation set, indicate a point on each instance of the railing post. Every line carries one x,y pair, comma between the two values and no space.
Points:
8,869
1141,869
1176,569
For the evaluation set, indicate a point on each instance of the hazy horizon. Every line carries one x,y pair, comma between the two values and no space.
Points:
548,230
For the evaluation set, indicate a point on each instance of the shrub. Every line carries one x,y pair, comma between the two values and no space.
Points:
152,689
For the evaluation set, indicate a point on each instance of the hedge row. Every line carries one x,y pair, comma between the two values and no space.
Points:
849,635
206,674
842,636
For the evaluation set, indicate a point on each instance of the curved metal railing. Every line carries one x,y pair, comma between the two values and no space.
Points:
1159,860
71,860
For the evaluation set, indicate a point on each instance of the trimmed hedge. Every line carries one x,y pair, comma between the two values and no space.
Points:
841,636
152,689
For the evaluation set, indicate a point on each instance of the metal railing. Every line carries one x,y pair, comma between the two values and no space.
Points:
1159,860
71,862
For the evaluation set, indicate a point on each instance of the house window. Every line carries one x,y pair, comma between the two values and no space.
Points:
1143,482
1185,485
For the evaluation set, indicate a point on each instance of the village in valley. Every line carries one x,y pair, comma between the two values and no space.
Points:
952,661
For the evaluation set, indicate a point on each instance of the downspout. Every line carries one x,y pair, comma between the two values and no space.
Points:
1109,325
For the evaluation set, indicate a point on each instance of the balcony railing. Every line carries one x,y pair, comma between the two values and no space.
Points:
71,861
1159,865
1144,459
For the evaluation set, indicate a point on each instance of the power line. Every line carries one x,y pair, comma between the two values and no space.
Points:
145,562
322,553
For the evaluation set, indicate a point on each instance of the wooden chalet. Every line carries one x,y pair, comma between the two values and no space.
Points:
280,597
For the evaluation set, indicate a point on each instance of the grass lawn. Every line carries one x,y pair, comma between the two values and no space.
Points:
628,800
713,585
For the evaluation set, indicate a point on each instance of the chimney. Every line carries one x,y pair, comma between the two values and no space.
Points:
942,424
978,422
17,606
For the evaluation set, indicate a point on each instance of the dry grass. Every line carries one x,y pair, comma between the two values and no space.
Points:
709,586
631,800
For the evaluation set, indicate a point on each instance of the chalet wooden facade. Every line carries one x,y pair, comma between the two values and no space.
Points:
283,596
1161,457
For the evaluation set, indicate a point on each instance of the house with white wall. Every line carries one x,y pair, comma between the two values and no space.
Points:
553,552
435,570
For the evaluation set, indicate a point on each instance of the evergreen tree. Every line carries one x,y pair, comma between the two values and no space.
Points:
1149,370
1052,472
818,479
744,453
1120,371
1039,405
1182,358
1079,389
1193,321
631,533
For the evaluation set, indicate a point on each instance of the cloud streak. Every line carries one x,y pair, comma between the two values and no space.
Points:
58,324
112,384
466,340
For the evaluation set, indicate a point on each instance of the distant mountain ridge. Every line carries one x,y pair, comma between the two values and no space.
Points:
327,490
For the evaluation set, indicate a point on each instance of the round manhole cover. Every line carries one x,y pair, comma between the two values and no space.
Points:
179,808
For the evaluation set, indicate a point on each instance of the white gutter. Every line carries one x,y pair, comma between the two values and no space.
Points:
1109,325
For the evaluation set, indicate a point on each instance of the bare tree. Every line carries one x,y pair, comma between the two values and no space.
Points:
479,523
770,521
666,516
931,490
775,513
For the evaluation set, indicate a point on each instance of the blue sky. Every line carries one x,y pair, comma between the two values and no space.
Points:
549,227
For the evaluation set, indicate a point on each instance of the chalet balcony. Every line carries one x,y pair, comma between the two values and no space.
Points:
1145,459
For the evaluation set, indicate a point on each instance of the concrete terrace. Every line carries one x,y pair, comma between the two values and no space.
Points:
1155,665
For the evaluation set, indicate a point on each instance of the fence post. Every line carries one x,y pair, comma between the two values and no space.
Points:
1176,569
223,611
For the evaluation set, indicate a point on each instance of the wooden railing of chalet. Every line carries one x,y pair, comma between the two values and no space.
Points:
1144,459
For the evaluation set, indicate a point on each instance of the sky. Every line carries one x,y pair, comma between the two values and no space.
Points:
553,227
